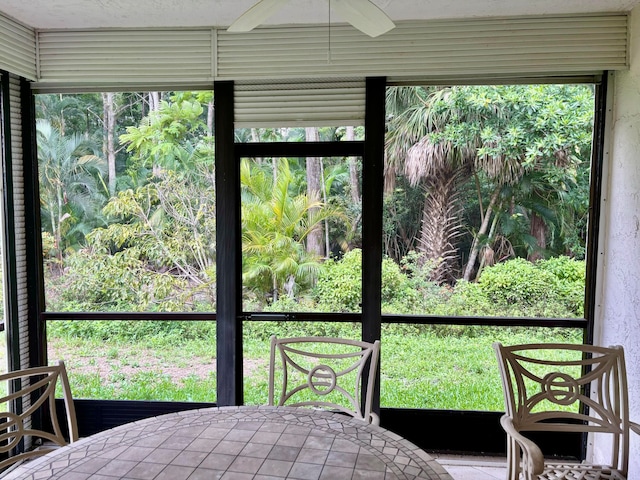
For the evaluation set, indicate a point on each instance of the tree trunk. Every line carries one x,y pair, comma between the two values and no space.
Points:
354,183
327,244
538,230
62,126
57,223
274,297
315,243
488,253
154,101
353,171
210,114
473,254
154,106
108,143
441,225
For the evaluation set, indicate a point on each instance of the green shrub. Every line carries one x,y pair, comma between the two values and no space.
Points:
467,299
339,286
405,288
417,294
564,268
517,281
97,281
571,275
396,286
520,288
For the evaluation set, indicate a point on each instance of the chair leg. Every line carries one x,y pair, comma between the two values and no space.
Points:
513,460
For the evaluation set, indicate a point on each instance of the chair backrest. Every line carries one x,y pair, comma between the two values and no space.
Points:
325,372
30,390
568,388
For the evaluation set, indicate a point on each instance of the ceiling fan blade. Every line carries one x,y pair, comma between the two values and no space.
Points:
364,15
256,15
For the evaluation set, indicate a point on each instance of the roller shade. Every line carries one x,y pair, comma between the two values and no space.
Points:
439,49
18,51
125,58
18,231
292,104
14,267
19,248
529,46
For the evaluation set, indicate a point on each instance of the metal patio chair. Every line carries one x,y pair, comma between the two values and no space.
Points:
31,390
564,388
325,372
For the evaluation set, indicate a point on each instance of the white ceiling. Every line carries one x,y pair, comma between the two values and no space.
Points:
47,14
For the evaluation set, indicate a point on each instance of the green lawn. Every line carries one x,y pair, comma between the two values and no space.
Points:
420,368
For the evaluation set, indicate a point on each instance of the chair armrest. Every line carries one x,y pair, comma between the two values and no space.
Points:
635,427
375,419
532,458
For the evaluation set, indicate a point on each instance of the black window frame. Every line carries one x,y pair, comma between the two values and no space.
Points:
97,415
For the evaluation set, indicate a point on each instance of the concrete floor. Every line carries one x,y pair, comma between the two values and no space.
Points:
474,468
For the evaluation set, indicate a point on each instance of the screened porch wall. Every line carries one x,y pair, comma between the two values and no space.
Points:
585,47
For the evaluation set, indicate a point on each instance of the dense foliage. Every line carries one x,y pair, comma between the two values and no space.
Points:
477,175
485,214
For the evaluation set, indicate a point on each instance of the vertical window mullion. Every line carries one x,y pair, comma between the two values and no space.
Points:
372,197
595,198
228,248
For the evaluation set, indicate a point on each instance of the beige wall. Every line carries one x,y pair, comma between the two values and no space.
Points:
618,319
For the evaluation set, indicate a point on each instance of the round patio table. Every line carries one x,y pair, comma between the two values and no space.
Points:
238,443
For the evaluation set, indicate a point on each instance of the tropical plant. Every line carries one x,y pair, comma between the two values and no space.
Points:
276,223
163,229
405,287
521,145
72,113
438,167
72,190
169,226
173,137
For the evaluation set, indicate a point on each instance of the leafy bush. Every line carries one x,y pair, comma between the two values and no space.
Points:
466,299
547,288
517,281
565,268
339,286
96,281
571,275
418,295
405,287
515,288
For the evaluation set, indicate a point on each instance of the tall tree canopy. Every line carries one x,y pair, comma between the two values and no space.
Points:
521,145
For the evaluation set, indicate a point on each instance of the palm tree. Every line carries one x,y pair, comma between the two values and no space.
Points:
57,108
72,190
437,166
275,228
496,135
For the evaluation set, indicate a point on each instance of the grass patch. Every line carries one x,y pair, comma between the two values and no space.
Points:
443,367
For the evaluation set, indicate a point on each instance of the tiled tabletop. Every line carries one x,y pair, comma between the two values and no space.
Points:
238,443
